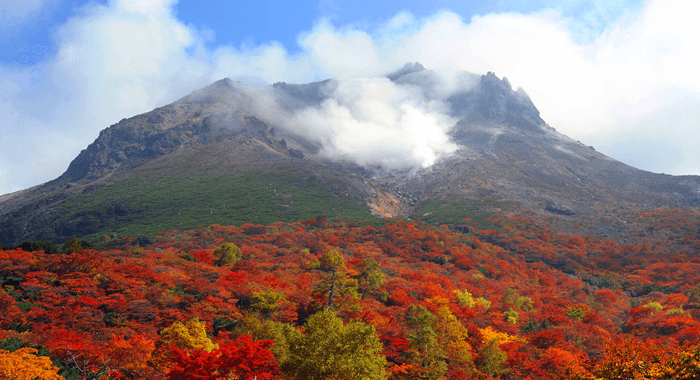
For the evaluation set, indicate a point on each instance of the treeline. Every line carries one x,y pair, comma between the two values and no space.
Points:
49,247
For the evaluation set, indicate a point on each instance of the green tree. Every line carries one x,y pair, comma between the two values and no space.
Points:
452,336
339,290
332,261
425,350
46,246
280,333
694,295
511,316
370,277
74,245
465,298
656,306
492,361
576,313
267,301
332,350
227,253
512,298
337,287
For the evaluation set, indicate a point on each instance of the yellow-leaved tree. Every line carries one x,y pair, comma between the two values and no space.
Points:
227,253
425,357
23,364
332,350
190,335
280,333
452,336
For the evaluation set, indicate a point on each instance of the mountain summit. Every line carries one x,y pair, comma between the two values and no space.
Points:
391,145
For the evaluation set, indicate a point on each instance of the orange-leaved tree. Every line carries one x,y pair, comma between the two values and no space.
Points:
23,364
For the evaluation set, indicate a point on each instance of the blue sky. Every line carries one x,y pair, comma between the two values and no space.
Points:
258,22
618,75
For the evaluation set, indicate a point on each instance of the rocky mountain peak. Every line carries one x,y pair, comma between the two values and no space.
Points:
494,101
408,68
504,150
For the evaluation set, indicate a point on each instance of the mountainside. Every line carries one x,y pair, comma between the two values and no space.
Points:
424,302
217,156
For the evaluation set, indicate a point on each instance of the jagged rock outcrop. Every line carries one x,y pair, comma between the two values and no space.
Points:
210,115
409,68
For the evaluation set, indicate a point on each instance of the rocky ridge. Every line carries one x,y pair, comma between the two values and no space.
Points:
506,151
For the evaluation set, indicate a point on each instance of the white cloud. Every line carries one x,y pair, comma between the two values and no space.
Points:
599,91
636,79
377,123
112,62
338,53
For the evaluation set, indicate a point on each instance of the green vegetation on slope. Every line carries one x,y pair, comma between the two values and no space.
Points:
149,206
482,214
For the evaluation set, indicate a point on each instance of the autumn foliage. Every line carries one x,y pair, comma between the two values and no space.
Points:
315,298
243,359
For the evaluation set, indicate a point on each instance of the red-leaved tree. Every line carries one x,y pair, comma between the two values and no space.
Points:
244,358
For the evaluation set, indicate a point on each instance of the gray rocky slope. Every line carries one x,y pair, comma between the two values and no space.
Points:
505,151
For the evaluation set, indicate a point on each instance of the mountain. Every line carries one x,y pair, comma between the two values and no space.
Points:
220,156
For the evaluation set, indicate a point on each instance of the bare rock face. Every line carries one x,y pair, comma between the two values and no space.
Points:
296,153
210,115
408,68
494,100
559,209
294,96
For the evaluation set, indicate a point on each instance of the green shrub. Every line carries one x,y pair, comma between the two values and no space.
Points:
227,253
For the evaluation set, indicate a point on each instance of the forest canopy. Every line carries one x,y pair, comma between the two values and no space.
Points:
337,300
